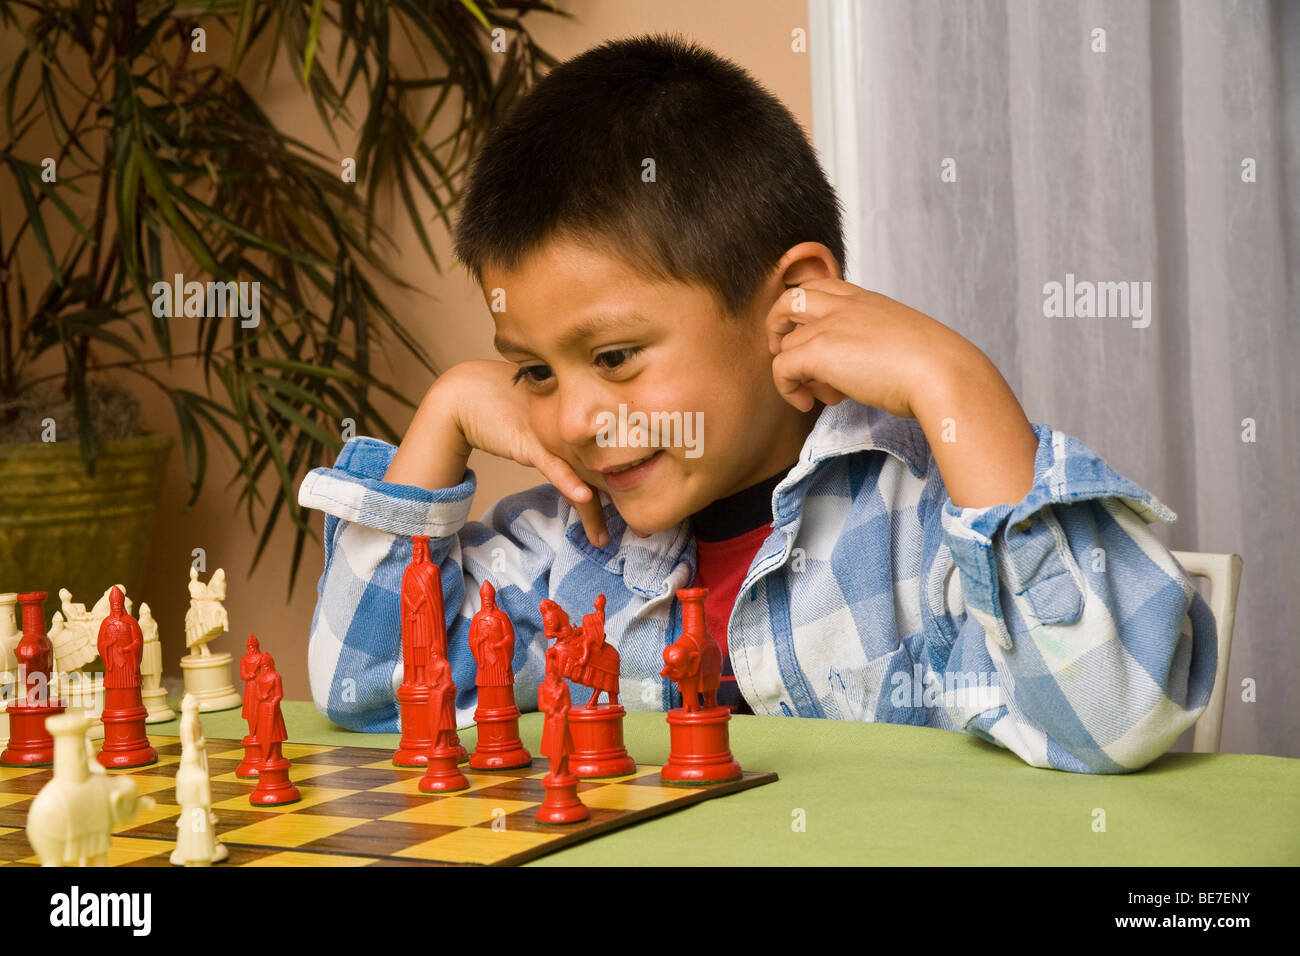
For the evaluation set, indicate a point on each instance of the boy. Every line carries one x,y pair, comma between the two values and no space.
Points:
884,535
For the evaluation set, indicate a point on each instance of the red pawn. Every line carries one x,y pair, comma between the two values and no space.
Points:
561,804
492,642
700,751
30,744
120,645
248,665
273,784
441,774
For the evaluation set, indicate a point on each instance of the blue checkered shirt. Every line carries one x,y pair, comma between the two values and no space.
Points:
1059,627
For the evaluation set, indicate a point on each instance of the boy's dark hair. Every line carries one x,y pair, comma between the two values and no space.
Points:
736,181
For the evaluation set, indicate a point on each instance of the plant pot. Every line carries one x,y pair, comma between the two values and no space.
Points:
60,528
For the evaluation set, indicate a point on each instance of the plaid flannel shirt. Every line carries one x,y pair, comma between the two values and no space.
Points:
1059,627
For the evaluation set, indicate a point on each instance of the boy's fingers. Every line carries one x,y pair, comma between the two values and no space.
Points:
795,307
583,497
797,381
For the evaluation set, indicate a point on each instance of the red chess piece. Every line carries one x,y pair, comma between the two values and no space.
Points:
273,784
248,665
30,744
120,645
441,774
700,751
424,638
492,642
561,804
583,656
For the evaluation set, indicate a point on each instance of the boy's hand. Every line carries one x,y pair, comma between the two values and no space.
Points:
833,339
475,405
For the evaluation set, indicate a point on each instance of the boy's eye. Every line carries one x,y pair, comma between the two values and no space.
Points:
616,357
536,374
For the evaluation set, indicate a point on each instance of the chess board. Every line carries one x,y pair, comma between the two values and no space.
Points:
357,809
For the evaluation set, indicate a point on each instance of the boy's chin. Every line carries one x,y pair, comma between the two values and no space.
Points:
645,522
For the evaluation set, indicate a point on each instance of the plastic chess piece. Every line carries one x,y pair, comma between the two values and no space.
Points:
248,665
584,656
492,642
424,639
120,644
700,751
442,775
196,827
273,784
30,744
207,674
151,669
561,804
71,821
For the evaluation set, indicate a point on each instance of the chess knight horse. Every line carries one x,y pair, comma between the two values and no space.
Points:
583,655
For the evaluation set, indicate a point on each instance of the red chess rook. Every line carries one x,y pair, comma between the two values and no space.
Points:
30,744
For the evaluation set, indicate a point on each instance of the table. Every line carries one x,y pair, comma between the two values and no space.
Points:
887,794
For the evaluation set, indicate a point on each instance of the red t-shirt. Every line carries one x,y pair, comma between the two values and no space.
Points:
728,533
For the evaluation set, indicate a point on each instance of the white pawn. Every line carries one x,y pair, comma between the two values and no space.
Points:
151,690
196,827
71,821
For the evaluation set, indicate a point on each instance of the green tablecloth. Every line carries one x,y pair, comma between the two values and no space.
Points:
896,795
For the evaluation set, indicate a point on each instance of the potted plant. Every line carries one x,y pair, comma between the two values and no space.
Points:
154,213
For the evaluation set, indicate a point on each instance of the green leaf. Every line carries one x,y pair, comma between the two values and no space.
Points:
313,38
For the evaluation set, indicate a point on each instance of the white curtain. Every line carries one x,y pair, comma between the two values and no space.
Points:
1133,142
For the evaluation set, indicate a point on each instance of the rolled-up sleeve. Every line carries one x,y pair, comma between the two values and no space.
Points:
1102,648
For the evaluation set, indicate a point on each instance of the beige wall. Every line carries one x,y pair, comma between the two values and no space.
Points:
449,318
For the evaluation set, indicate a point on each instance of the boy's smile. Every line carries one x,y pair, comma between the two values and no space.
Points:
590,334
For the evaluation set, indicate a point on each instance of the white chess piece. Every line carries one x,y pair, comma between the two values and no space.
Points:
196,827
10,635
206,618
151,689
72,819
74,634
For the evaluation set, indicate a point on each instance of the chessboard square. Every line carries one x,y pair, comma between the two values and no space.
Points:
410,785
366,803
6,799
11,773
145,785
457,811
294,751
294,858
311,796
621,796
347,778
297,772
477,845
159,811
164,760
376,838
236,754
290,831
124,850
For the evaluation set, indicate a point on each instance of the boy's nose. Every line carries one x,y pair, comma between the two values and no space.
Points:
579,415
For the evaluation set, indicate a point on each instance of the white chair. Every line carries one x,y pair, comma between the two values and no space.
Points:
1223,571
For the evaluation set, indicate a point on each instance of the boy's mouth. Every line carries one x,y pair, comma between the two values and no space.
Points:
625,476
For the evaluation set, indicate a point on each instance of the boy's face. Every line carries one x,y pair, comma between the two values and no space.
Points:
589,334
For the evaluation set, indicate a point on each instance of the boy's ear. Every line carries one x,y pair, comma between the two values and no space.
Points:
805,262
